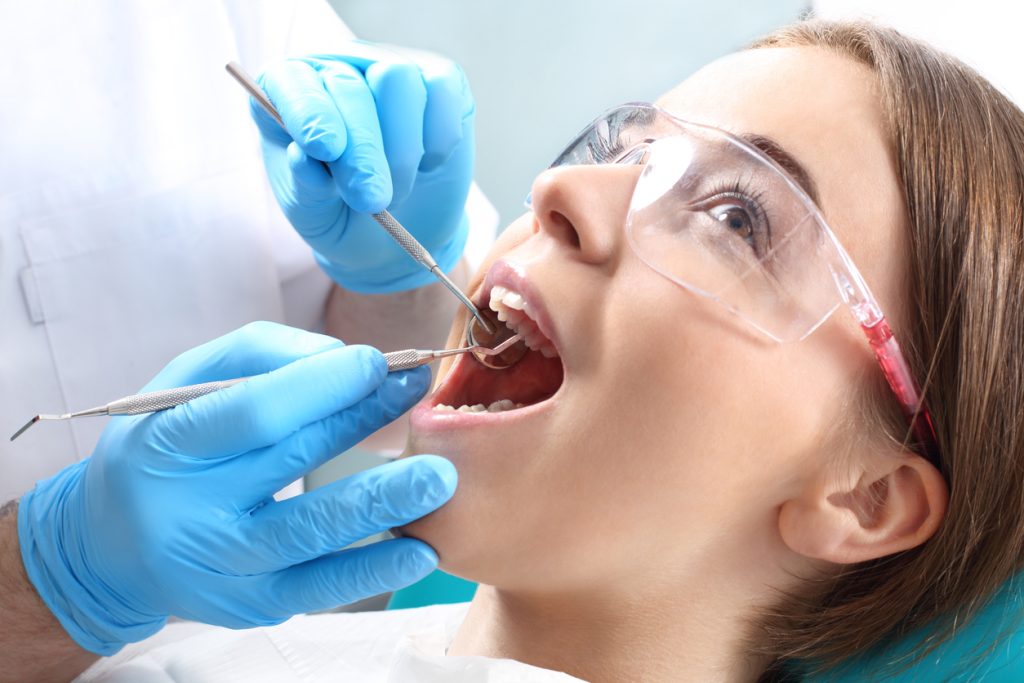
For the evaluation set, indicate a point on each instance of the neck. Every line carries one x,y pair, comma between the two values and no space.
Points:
692,635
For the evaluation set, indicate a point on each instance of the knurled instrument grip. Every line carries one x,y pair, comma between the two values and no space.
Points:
153,401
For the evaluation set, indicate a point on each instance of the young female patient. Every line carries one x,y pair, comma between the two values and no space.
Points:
685,498
711,477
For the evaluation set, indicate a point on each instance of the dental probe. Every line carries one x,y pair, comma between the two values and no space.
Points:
154,401
398,233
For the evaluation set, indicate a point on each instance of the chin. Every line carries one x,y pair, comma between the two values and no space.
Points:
484,420
434,530
463,529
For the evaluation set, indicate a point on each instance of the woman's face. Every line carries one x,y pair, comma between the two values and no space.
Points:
675,431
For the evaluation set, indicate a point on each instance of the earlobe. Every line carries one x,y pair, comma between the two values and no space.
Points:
894,503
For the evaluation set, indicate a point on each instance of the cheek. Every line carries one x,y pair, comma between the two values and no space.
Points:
680,422
701,402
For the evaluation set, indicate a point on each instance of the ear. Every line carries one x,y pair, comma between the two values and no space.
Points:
887,502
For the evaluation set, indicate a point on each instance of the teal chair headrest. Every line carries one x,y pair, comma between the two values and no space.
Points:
988,648
437,588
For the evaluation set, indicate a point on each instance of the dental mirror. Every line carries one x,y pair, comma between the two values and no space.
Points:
478,336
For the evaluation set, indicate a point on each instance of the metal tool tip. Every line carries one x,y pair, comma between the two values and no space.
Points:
26,426
484,323
500,348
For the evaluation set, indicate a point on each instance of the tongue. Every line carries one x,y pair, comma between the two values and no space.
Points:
531,380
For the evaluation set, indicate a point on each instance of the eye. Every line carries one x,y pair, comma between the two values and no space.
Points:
736,219
742,216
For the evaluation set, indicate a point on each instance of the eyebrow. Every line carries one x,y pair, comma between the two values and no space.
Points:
786,160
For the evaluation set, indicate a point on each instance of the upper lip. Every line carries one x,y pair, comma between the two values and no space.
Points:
507,275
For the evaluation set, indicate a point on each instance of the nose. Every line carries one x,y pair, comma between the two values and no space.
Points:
584,208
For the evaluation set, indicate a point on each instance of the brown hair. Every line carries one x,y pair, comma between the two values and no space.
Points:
959,148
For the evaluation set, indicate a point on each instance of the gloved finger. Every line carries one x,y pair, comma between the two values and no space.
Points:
254,349
361,172
268,127
317,206
331,517
272,468
450,106
347,576
401,98
310,115
269,407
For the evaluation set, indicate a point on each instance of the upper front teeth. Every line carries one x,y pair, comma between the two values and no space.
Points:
515,312
509,298
502,296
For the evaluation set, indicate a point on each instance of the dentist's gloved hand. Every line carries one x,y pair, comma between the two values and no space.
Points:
173,513
396,132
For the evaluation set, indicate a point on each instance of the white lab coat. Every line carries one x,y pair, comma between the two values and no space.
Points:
135,221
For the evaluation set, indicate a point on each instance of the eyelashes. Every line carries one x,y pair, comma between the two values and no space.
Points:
741,193
753,198
603,150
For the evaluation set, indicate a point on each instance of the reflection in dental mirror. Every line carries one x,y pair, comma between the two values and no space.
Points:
476,335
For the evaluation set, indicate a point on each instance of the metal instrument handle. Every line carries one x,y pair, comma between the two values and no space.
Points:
405,239
253,88
168,398
407,359
153,401
419,254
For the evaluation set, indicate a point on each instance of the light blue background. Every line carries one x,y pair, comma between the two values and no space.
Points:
541,70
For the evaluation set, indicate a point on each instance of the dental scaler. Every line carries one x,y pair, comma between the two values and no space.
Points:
155,401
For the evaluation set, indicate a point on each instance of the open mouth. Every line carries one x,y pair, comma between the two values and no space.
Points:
471,387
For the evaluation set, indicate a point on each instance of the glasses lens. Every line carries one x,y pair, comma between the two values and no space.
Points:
713,215
612,138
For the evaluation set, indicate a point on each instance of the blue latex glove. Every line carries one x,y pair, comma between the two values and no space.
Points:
395,132
173,513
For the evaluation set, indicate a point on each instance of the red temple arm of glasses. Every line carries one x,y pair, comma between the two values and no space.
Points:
897,373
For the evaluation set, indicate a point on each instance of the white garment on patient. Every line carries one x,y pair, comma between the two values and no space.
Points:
401,646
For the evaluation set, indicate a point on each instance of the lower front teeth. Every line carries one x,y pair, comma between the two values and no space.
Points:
496,407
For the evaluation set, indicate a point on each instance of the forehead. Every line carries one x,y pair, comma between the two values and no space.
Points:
825,110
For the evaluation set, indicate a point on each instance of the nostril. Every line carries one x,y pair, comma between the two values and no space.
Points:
563,229
579,207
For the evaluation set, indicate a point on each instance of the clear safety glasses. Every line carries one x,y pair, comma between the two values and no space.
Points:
714,214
